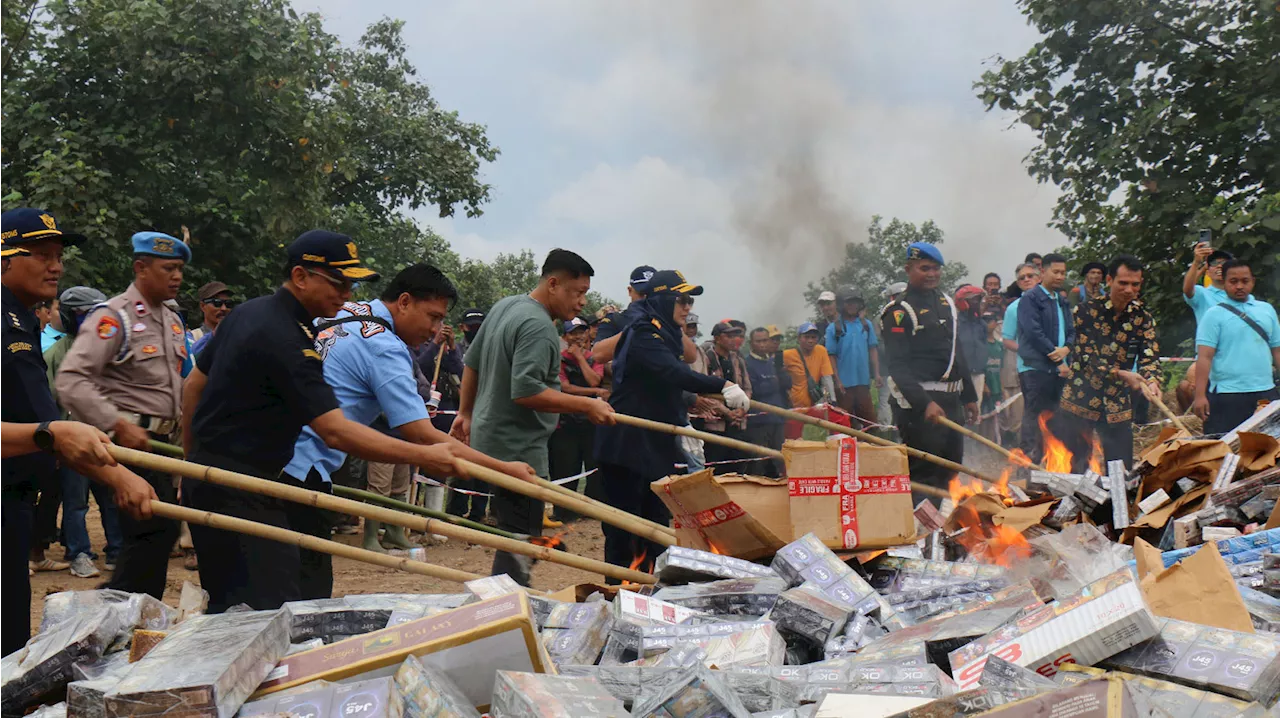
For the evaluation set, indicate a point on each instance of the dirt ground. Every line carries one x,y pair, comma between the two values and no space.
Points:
582,538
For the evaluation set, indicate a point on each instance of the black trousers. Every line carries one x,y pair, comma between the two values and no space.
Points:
15,582
630,492
1227,411
235,568
931,438
1077,433
142,565
572,451
1041,392
45,528
770,435
519,514
315,569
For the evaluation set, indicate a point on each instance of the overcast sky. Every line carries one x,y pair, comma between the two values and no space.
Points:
741,143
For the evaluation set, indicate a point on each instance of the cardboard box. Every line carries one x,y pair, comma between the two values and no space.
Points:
1097,622
470,644
850,495
527,695
736,515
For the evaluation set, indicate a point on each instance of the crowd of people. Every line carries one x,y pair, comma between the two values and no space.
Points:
309,387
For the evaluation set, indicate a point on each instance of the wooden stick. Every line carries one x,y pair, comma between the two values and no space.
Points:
297,494
1164,409
573,502
873,439
307,541
1012,457
705,436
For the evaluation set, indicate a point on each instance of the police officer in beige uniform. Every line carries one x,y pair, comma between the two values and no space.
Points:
123,375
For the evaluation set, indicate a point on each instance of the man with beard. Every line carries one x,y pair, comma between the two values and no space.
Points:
216,303
928,374
123,375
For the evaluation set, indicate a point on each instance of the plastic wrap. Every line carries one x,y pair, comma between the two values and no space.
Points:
207,667
43,667
536,695
429,693
575,633
760,690
135,610
684,565
332,619
734,597
1061,564
92,681
57,710
623,682
692,691
659,638
807,612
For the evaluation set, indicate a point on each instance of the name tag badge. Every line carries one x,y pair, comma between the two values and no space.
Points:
150,349
139,327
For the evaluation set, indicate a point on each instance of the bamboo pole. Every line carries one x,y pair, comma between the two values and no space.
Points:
424,524
1164,409
307,541
873,439
691,432
572,501
601,506
387,502
1012,457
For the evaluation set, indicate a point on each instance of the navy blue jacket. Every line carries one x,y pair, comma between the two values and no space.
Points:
1038,318
768,385
26,398
651,387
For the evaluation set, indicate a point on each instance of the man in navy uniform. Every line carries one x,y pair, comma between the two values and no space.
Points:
928,376
256,384
31,261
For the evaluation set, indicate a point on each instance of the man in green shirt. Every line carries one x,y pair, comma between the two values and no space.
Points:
510,398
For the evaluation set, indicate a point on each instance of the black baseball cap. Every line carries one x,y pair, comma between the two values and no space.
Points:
25,225
640,277
726,328
473,316
1220,254
332,251
211,290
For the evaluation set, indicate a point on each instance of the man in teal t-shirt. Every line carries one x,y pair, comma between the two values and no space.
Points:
1202,298
511,399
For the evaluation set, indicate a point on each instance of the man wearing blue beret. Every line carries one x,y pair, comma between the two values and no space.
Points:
928,375
123,374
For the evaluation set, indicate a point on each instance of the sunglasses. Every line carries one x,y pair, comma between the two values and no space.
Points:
1027,276
221,303
685,301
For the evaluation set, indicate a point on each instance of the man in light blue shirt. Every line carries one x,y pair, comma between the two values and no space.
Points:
1238,343
1202,298
851,342
369,366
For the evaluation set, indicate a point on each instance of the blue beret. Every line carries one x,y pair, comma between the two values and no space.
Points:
159,244
924,250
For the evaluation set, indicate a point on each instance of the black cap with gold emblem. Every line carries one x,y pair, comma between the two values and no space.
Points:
25,225
670,281
332,251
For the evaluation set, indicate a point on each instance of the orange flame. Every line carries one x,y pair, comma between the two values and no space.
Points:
711,545
638,561
1096,457
987,542
961,489
1020,458
1056,456
1007,546
550,541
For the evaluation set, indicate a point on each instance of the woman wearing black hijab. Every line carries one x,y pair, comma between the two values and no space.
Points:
649,381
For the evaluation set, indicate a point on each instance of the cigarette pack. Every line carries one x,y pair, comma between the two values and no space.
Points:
428,693
134,610
807,612
93,680
650,609
531,695
1258,507
1218,533
470,644
684,565
693,691
1068,509
999,673
733,597
759,690
1186,532
658,638
808,559
850,495
1243,665
1116,474
1102,619
928,515
623,682
759,645
1156,697
207,667
1226,473
575,633
333,619
315,702
43,667
1153,501
373,698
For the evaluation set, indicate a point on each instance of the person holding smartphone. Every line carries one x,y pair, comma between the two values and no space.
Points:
1210,260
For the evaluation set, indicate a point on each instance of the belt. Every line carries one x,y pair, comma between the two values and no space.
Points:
948,387
153,424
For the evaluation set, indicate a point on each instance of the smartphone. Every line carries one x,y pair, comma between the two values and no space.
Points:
1205,236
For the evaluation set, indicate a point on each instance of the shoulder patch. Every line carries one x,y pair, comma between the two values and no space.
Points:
108,327
16,347
311,354
656,323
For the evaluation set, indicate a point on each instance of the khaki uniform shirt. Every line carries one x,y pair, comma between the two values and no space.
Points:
95,384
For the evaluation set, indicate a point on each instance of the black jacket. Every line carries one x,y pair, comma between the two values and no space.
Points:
1039,316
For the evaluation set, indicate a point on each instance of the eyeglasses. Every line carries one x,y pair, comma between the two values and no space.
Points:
345,285
685,301
1022,277
221,303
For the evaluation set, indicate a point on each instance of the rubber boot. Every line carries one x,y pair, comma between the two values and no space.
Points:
370,542
394,536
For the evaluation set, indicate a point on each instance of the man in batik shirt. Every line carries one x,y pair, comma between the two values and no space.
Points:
1115,352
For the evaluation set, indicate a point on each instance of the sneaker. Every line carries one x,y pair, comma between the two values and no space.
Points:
82,567
48,564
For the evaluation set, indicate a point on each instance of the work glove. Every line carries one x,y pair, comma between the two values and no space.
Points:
692,447
735,397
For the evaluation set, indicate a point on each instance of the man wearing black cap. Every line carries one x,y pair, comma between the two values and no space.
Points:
928,375
259,381
1202,298
1091,287
612,324
471,321
216,302
30,266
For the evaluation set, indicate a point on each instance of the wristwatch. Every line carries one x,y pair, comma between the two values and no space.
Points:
43,437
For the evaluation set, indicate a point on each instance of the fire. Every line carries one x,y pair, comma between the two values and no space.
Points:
962,489
1056,456
550,541
987,542
711,545
638,561
1096,457
1020,458
1007,546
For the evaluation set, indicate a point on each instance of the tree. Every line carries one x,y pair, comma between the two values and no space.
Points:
1155,120
870,266
239,119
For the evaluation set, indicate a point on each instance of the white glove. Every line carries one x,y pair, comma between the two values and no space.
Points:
735,397
693,447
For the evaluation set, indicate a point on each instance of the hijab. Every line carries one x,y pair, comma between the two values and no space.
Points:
654,312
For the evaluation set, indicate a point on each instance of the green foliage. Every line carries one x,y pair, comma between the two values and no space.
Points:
1155,120
239,119
870,266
